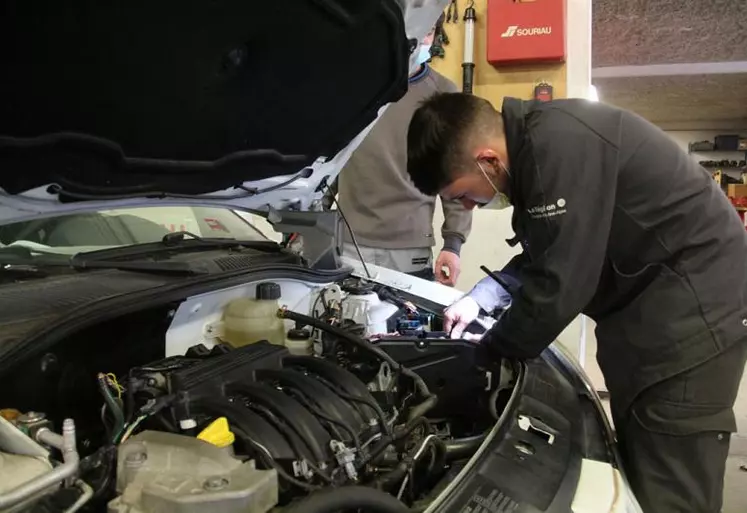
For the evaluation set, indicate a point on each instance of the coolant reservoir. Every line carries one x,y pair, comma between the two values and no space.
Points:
246,321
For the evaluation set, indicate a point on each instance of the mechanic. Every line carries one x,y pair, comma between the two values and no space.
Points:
616,222
391,219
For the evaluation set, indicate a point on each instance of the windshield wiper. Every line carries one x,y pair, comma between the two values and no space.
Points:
21,270
183,268
182,240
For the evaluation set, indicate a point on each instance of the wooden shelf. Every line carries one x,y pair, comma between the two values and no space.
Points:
689,150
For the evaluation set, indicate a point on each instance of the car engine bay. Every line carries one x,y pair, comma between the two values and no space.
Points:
275,396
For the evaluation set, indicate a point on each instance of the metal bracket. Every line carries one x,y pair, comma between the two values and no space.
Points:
538,428
321,233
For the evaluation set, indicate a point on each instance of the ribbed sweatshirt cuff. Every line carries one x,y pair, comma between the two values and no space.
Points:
452,244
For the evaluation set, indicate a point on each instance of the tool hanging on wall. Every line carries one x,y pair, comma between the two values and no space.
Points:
543,92
468,62
452,12
440,39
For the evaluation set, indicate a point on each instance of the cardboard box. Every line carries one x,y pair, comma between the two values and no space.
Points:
736,190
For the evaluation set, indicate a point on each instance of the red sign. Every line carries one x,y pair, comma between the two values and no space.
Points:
215,225
526,32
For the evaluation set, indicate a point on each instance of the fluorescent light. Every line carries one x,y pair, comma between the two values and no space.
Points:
593,94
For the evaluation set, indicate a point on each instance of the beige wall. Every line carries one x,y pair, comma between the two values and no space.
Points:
486,245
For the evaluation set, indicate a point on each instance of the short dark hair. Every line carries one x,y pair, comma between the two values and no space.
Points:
438,135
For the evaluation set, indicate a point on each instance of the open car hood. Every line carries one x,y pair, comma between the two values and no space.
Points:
242,104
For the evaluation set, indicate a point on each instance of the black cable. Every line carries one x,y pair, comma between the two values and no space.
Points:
385,427
365,345
101,461
113,405
350,230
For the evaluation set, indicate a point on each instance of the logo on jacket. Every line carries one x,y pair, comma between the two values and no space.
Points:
557,208
515,30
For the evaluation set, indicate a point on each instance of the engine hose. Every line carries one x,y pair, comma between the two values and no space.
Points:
114,407
459,448
385,428
392,477
419,410
438,460
349,498
386,441
363,344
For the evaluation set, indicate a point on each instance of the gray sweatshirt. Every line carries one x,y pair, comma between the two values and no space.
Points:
382,205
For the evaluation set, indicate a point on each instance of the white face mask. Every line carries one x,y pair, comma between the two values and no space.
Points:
424,54
500,201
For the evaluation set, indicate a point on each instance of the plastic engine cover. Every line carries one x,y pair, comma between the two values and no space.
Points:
16,470
180,474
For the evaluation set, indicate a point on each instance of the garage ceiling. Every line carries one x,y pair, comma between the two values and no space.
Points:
680,62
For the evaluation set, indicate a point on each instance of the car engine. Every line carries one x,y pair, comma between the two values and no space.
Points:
366,405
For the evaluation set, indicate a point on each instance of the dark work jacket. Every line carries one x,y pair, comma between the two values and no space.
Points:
617,222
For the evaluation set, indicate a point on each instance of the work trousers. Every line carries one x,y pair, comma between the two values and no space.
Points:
674,438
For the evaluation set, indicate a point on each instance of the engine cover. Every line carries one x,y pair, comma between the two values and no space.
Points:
180,474
275,400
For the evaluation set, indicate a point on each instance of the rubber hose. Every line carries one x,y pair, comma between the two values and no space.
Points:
119,419
361,343
439,461
349,498
395,475
386,441
459,448
421,409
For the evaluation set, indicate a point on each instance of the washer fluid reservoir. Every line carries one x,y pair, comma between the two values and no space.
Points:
364,307
246,320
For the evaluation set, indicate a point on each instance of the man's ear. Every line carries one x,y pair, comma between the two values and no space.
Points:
486,153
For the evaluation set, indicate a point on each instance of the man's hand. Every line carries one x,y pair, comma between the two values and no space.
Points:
459,315
452,263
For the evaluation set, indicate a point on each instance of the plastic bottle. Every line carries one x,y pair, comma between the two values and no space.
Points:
299,342
366,308
246,320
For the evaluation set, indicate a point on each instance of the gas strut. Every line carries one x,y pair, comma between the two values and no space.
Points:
468,64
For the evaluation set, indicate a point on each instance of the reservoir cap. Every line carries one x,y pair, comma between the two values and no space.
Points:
268,290
301,334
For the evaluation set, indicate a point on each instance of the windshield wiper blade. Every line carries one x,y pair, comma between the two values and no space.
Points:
178,238
172,241
179,268
22,270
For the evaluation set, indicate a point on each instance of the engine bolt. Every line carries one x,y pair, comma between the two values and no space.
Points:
31,417
135,459
215,483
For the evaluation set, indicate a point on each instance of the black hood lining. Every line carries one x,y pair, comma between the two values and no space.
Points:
106,99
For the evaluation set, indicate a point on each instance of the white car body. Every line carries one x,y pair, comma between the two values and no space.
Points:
601,487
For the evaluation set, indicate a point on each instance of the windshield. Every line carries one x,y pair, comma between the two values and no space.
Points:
76,233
